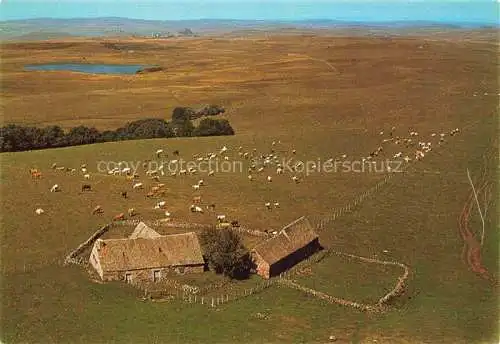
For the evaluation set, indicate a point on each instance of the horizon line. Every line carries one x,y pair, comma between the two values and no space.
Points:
437,21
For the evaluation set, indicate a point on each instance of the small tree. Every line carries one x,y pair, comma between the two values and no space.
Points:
225,253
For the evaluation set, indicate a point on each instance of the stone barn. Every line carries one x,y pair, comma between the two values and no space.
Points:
147,256
292,244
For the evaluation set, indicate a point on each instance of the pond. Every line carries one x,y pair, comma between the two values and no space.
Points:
94,68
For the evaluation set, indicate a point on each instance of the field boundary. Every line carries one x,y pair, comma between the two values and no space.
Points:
381,304
72,257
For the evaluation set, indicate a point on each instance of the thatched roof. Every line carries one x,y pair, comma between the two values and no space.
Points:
141,253
143,231
291,238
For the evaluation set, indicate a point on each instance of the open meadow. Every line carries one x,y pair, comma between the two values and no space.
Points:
323,97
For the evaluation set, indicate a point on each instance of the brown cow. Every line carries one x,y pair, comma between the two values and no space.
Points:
119,217
197,199
97,210
36,174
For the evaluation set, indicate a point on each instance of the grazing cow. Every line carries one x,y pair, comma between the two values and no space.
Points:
268,205
197,199
86,176
269,179
196,187
54,188
211,173
200,182
276,204
176,153
97,210
250,178
159,153
36,175
155,189
131,212
182,172
119,217
167,213
138,186
54,165
124,194
39,211
221,218
211,207
196,209
160,205
60,168
296,179
86,187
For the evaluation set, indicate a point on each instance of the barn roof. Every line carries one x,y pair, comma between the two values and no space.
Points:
148,253
291,238
143,231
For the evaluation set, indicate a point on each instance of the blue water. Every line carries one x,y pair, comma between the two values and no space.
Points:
88,68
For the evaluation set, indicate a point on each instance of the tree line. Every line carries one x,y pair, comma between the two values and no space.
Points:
15,138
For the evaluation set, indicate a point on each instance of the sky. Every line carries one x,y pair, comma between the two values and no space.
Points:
444,11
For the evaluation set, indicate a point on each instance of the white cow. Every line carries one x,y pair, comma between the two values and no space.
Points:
160,205
54,188
196,209
138,186
39,211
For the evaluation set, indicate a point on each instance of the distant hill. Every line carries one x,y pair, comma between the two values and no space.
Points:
47,28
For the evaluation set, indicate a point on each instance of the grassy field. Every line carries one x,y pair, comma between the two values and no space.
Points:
357,280
274,88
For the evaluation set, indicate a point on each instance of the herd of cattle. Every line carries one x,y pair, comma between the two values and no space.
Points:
405,147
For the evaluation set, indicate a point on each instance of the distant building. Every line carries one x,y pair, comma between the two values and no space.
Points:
147,256
292,244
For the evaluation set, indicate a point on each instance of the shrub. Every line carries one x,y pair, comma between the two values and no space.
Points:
213,127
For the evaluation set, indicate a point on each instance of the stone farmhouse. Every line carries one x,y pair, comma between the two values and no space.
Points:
292,244
147,256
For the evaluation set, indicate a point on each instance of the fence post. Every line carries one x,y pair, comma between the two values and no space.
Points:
202,300
212,301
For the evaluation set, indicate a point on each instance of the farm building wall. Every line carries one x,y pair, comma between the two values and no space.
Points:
261,266
94,261
294,258
147,274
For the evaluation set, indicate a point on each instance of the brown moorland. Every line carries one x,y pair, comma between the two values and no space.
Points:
322,95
